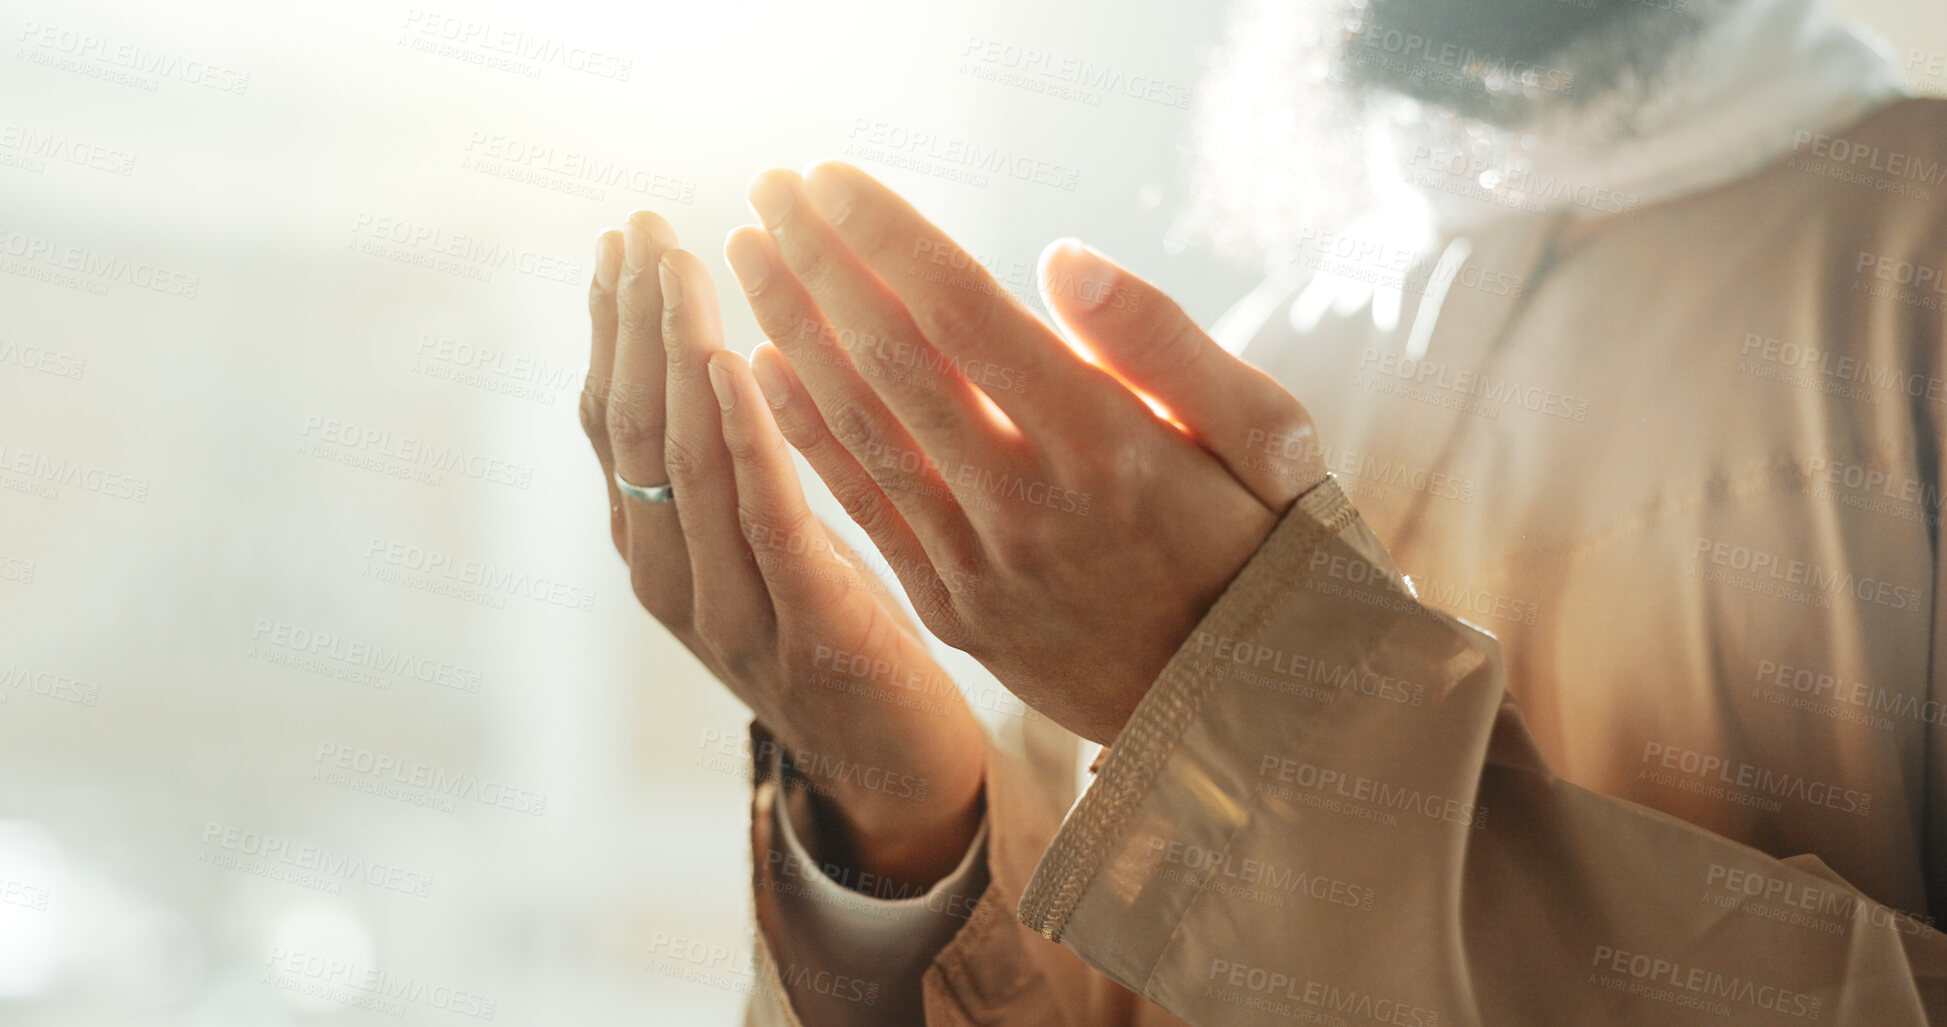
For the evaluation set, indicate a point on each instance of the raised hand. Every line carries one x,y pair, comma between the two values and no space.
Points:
1042,515
738,568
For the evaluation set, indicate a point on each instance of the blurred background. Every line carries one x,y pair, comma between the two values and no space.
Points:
323,697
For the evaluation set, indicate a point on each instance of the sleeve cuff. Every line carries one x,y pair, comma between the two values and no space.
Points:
870,931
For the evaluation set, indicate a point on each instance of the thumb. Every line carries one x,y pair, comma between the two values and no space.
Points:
1131,329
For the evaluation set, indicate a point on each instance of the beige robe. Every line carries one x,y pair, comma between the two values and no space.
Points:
1655,734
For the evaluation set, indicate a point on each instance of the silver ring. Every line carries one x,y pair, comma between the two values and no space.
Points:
646,493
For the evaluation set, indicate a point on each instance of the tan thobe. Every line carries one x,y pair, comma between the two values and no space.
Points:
1599,685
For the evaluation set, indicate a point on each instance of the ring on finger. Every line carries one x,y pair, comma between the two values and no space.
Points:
647,493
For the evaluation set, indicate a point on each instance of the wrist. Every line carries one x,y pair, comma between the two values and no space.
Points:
908,826
910,845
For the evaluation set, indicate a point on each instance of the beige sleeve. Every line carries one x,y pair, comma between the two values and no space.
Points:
1327,811
991,970
886,943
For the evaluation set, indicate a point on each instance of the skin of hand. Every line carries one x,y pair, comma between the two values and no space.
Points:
1066,511
742,572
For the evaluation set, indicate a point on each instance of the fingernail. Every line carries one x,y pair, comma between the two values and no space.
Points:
770,197
606,264
1087,278
829,193
746,262
726,388
672,285
635,246
770,381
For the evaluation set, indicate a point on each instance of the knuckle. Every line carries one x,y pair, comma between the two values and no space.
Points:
750,448
1171,344
727,643
680,461
637,307
938,614
593,410
853,426
768,527
859,500
1022,544
960,321
656,597
784,324
629,428
811,263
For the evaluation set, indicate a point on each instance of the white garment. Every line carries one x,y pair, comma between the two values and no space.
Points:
1764,72
873,939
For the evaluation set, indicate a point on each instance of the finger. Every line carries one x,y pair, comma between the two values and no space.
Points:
924,389
1240,414
801,567
659,564
636,404
730,595
851,415
958,306
798,421
601,368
